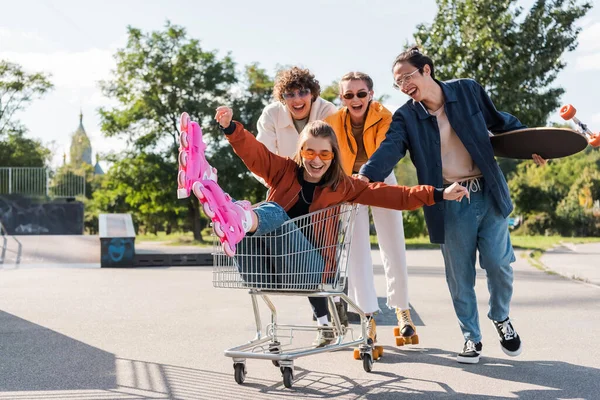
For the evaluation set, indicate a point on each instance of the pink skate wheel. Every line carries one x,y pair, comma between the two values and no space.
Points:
197,189
184,139
227,248
181,179
218,230
183,159
208,211
184,120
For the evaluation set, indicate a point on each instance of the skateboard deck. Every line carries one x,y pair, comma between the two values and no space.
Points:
547,142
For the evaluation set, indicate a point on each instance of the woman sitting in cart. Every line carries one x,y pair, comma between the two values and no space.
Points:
312,181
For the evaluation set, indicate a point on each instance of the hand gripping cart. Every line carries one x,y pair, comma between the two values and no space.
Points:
280,263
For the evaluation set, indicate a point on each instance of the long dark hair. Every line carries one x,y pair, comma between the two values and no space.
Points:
335,174
415,58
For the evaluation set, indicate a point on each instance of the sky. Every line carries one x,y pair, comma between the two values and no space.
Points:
75,42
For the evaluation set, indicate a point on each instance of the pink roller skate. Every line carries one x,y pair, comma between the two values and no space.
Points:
193,166
231,220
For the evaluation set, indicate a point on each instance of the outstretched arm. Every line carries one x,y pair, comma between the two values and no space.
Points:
254,154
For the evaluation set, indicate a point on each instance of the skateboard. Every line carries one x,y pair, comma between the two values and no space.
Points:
546,142
567,112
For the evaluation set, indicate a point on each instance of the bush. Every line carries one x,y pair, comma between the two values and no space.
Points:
414,223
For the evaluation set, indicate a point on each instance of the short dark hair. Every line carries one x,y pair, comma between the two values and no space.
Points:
415,58
295,78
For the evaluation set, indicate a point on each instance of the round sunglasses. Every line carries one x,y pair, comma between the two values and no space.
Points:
299,93
360,95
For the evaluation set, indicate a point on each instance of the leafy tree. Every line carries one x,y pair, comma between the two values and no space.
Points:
17,89
159,75
516,56
332,93
18,151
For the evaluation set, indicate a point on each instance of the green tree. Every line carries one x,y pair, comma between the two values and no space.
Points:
515,56
18,151
159,75
17,89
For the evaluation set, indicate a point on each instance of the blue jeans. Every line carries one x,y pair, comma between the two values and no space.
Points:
468,228
280,256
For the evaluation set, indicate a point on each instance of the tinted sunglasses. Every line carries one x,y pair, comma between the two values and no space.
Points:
360,95
324,155
299,93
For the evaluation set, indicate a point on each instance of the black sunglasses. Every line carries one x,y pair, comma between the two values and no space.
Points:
360,95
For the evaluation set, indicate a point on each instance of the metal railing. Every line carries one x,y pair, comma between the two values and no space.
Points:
39,182
4,235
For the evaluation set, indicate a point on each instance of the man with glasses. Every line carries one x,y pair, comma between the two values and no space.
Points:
445,126
296,92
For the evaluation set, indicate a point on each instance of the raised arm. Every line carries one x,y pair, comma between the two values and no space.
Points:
257,157
391,150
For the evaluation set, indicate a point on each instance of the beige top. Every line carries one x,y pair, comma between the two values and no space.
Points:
457,164
358,132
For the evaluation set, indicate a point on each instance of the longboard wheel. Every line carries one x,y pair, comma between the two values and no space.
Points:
567,112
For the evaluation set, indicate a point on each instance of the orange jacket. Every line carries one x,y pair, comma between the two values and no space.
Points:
280,175
377,123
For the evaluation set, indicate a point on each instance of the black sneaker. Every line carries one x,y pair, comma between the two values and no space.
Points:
509,339
470,353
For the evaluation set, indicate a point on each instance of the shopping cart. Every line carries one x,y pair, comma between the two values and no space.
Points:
284,263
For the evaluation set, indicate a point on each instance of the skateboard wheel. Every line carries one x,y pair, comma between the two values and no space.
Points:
181,179
397,331
227,248
184,140
183,159
399,341
356,354
595,140
567,112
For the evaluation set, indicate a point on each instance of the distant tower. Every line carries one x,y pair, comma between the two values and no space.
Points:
97,168
81,149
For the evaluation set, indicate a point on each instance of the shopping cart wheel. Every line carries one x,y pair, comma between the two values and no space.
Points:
288,377
239,372
367,362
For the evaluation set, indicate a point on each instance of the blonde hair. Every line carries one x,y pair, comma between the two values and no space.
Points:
334,174
357,76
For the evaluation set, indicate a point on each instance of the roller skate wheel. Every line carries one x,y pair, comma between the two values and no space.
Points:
397,331
227,249
208,211
379,350
414,339
218,230
399,341
184,120
183,159
356,354
567,112
183,139
595,140
181,179
197,189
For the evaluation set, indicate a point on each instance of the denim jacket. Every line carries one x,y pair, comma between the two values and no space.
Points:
473,116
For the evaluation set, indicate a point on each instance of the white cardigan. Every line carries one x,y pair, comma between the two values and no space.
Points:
276,129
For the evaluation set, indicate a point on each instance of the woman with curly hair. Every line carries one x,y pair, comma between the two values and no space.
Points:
297,103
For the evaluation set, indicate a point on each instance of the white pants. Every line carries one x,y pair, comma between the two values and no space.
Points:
390,235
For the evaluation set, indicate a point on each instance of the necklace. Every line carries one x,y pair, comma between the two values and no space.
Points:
304,198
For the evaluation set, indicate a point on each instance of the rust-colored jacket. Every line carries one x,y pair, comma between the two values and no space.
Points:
377,123
280,174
